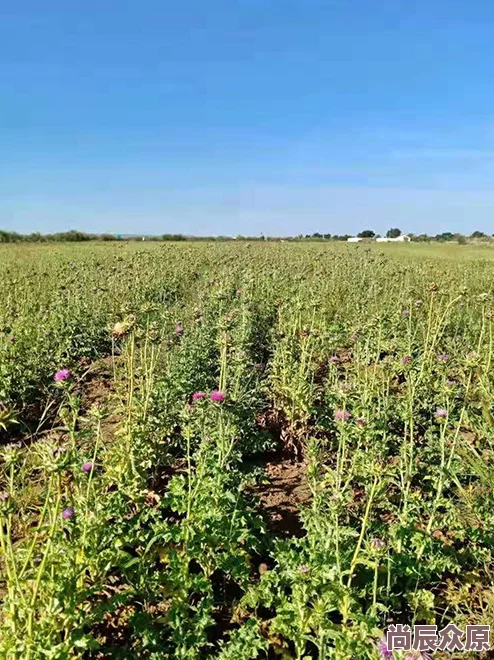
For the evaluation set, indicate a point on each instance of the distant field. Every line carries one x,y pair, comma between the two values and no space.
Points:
243,450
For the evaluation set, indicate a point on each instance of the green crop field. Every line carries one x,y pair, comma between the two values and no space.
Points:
243,450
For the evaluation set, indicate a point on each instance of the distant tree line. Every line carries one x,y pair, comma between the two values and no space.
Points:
74,236
79,236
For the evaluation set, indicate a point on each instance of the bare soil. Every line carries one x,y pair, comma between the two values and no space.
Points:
282,493
96,390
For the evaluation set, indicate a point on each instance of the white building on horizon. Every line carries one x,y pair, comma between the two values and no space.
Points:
403,238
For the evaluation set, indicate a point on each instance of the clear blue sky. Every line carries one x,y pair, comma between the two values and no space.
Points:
247,116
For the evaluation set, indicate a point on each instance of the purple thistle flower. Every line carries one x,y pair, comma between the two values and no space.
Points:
361,421
334,359
406,360
384,652
179,330
377,543
61,375
198,395
88,466
341,415
444,357
405,313
440,413
216,395
68,513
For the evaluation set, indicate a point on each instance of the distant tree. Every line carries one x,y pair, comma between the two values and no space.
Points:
461,239
394,232
367,233
445,236
173,237
7,237
478,234
71,236
327,236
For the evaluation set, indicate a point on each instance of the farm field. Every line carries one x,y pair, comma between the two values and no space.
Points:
243,450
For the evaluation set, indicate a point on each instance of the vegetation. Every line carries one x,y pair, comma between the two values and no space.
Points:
78,236
243,450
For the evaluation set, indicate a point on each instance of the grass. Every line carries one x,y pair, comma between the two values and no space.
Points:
363,372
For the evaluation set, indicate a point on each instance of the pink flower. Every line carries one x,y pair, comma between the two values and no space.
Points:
341,415
61,375
216,395
384,652
178,330
87,467
198,395
334,359
440,413
406,360
361,421
68,513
